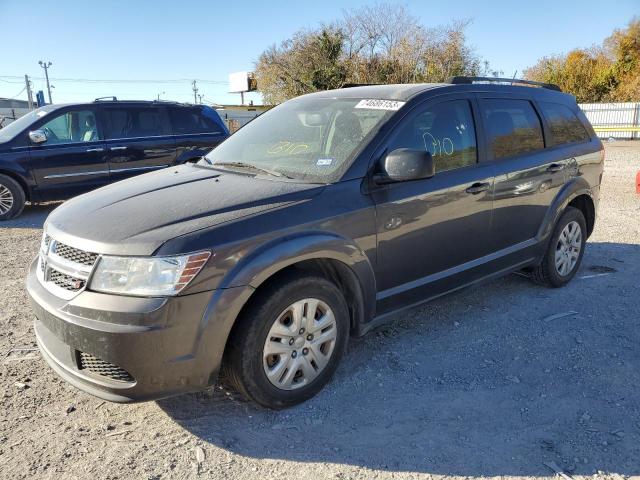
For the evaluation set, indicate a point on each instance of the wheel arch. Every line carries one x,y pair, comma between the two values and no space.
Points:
576,193
328,255
20,180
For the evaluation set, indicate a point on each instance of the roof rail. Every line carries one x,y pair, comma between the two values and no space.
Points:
461,80
100,99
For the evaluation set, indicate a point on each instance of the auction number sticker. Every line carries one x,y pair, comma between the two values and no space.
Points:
324,162
376,104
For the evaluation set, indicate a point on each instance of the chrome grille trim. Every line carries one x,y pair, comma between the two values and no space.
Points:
64,270
74,255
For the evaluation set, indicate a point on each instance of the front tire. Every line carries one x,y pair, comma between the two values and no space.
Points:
12,198
564,253
289,341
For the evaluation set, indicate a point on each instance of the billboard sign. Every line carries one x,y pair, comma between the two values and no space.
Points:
240,82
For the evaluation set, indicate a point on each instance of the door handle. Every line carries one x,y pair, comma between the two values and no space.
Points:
477,188
554,167
95,150
117,148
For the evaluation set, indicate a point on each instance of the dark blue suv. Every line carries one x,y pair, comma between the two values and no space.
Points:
59,151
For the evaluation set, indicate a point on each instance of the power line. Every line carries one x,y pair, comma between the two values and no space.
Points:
20,92
113,80
7,81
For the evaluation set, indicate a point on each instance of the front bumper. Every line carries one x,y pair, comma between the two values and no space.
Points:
168,345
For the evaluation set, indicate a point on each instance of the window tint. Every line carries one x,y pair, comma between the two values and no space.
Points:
446,131
192,120
564,125
513,127
131,122
71,127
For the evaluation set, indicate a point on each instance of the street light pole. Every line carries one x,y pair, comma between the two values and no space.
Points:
46,66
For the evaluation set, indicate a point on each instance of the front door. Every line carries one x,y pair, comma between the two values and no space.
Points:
432,231
138,139
73,159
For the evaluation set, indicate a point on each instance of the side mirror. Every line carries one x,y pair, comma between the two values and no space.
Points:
404,164
37,136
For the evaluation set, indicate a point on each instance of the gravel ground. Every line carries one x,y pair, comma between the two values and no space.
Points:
486,382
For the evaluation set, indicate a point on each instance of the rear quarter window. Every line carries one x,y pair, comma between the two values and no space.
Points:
564,125
186,120
513,127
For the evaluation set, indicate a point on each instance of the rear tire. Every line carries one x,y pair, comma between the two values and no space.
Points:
12,198
564,252
288,343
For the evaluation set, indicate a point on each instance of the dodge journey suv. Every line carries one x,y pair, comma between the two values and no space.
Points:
313,223
58,151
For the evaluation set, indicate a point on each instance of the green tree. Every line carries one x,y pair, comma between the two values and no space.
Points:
308,62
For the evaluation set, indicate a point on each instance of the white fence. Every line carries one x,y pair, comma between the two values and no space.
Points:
614,120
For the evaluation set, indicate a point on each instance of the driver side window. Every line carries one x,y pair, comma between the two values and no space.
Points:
75,126
446,130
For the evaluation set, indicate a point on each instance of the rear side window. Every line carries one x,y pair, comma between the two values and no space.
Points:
187,120
132,122
513,127
445,130
564,124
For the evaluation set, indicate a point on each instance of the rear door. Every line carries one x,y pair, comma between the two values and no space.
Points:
138,139
528,176
73,159
431,232
197,130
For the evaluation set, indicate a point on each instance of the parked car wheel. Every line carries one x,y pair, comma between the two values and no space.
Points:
564,253
12,198
289,342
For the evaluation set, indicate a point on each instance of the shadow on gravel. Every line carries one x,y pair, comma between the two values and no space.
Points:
33,216
495,380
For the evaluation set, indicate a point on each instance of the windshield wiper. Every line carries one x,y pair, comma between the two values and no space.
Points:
250,166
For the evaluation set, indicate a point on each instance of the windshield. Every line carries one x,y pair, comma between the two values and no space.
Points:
309,139
10,131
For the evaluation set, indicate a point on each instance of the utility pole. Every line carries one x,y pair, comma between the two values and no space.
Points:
195,92
29,95
200,98
46,66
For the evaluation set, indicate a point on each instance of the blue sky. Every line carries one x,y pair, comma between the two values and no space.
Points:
161,40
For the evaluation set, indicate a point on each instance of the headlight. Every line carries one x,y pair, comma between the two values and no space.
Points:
146,276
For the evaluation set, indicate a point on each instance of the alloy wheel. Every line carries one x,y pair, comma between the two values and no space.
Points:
299,344
6,199
568,248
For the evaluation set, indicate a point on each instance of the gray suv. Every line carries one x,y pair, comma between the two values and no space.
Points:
315,222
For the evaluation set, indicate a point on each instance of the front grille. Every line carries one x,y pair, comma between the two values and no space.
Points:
64,270
95,365
75,254
67,282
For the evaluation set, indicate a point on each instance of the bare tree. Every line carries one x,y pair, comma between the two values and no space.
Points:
383,43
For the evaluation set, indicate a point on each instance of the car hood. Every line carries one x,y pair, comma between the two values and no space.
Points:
136,216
